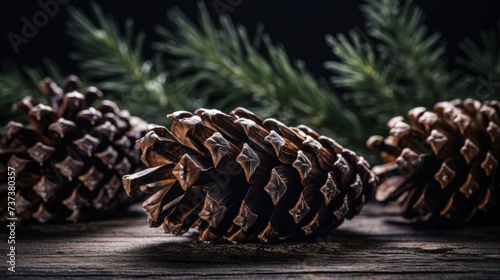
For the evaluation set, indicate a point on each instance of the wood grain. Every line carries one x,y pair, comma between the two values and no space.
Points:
376,243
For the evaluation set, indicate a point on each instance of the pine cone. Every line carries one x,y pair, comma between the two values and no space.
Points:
70,158
443,166
240,177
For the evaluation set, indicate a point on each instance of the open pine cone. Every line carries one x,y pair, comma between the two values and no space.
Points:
240,177
70,158
443,166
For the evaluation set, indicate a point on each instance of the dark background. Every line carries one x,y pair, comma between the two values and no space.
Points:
298,25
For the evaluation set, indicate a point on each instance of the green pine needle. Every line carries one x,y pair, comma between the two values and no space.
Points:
114,62
484,62
399,67
403,35
366,75
217,64
231,70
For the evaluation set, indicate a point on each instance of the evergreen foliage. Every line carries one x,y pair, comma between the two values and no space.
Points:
215,63
230,71
484,62
113,60
400,65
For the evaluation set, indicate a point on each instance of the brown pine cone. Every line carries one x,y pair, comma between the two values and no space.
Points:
239,177
443,165
69,159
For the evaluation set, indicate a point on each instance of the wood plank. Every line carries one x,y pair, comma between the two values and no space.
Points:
376,243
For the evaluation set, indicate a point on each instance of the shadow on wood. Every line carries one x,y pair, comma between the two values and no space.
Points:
377,242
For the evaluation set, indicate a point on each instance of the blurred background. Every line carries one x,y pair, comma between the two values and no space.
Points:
299,27
378,60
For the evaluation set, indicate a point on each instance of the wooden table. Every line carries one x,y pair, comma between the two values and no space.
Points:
376,243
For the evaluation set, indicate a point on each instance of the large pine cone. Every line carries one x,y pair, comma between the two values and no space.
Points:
70,158
240,177
443,166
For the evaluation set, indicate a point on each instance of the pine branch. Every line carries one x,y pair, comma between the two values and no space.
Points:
115,64
228,68
402,67
484,61
403,34
366,75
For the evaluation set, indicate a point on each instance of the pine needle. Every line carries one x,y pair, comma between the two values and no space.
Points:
400,67
113,60
484,61
231,70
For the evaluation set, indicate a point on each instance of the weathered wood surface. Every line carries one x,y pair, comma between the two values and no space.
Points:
376,243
